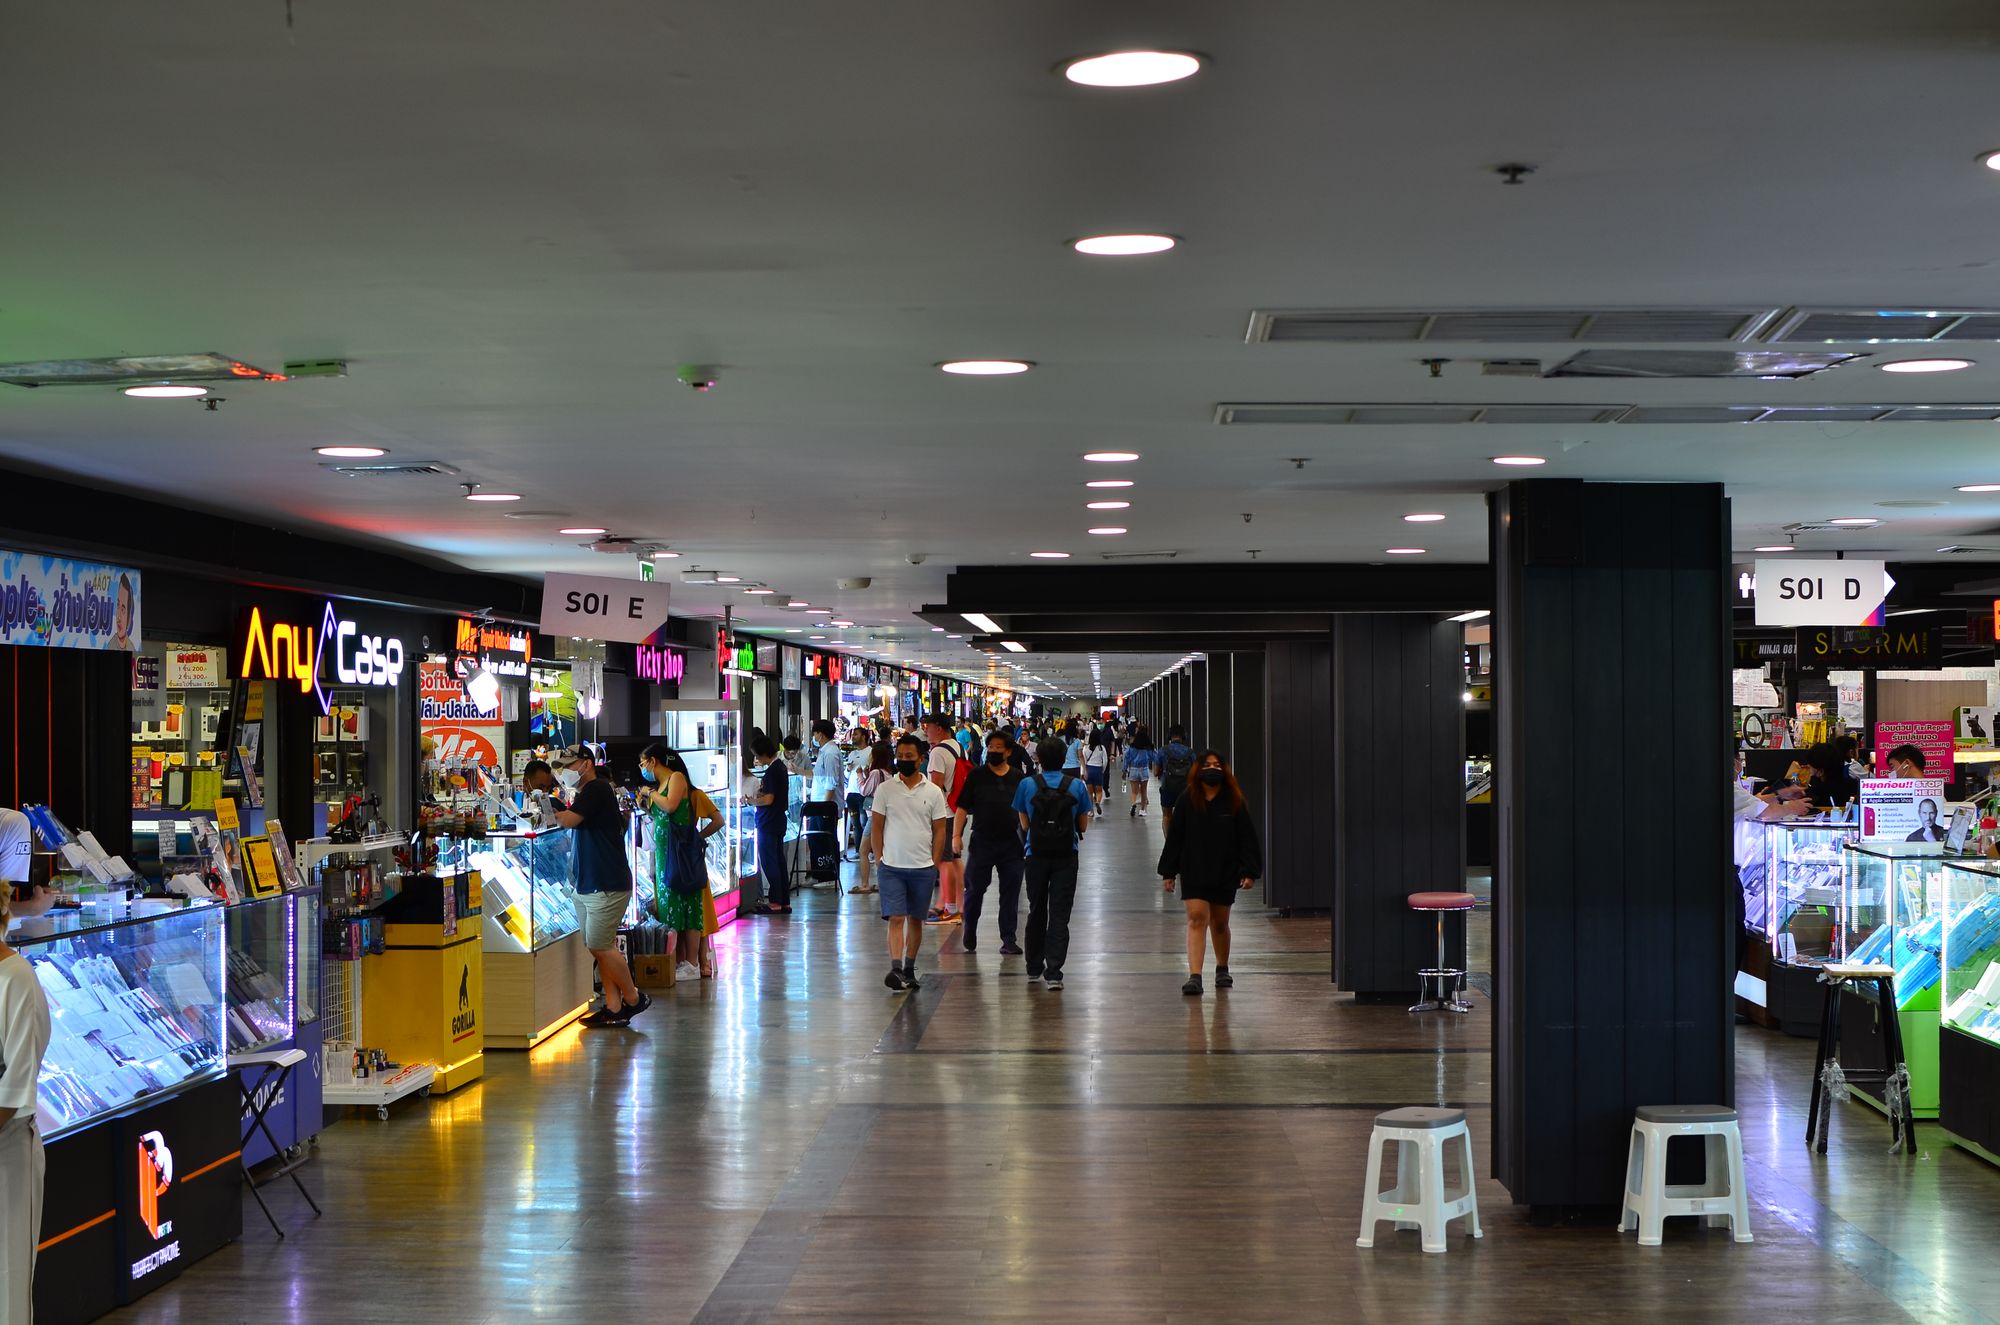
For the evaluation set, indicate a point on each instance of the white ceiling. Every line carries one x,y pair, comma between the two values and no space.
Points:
516,219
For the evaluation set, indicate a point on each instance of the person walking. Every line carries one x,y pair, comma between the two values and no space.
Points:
909,825
1175,764
24,1038
1097,768
1212,849
1054,812
603,881
860,757
773,800
948,769
988,803
881,766
1140,760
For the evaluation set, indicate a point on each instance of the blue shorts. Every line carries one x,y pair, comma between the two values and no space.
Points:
1099,777
906,892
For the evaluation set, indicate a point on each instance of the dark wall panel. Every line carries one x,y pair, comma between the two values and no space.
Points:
1249,744
1298,857
1612,925
1197,682
1218,709
1399,826
61,710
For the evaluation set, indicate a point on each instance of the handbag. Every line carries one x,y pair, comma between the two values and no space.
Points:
687,861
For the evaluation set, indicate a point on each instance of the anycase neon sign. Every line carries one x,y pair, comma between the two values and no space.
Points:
282,651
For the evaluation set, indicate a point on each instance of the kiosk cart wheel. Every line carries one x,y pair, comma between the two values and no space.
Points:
423,1092
382,1112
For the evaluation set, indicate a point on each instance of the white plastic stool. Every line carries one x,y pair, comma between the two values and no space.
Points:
1721,1196
1418,1200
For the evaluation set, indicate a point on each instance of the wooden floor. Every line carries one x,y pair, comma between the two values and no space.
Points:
793,1142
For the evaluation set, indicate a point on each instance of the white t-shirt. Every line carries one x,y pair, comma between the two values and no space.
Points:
1097,756
858,760
943,761
907,815
24,1033
17,846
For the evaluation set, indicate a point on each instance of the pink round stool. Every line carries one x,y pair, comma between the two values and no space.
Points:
1450,981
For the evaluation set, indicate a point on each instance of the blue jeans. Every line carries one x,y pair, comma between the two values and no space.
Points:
771,860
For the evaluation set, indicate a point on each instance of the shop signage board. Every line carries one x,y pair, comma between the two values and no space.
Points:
1752,652
276,650
1821,593
662,665
603,608
1870,648
1902,809
195,669
1933,738
501,650
52,602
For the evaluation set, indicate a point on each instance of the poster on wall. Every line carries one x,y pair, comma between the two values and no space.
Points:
1975,727
1935,739
52,602
195,669
463,732
1903,810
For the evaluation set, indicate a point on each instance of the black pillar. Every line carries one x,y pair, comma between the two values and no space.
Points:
1218,708
1298,702
1198,735
1248,746
1612,917
1399,796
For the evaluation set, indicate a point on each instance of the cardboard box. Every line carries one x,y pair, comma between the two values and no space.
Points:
655,971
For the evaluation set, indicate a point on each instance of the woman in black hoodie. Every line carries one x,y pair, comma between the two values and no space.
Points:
1212,849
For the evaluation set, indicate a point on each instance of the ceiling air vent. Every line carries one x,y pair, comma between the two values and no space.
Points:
1875,325
1967,550
389,468
1821,527
1821,414
1695,414
1507,325
1940,413
133,369
1308,413
1699,363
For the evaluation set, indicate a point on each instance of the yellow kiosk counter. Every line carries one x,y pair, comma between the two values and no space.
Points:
423,998
538,974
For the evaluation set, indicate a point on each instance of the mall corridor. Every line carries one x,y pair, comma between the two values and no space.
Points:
794,1142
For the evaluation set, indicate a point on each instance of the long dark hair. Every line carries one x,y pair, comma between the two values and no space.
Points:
1142,738
1230,794
661,754
881,757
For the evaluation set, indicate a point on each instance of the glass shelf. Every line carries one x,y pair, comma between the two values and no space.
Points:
1970,950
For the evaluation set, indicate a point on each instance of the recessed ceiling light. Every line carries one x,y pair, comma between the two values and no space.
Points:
954,637
1473,615
985,367
1979,487
1110,457
1991,160
1519,460
1109,483
1107,529
350,452
815,637
1775,547
665,556
1854,521
583,529
1106,505
760,591
1013,647
729,579
1404,551
1123,246
1423,517
493,496
842,624
166,392
1050,556
1134,69
820,611
1924,365
937,630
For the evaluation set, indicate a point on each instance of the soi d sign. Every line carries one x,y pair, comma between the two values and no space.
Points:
1822,593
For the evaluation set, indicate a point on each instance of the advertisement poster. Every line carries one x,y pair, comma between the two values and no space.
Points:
1975,728
464,732
195,669
55,603
1903,810
1935,739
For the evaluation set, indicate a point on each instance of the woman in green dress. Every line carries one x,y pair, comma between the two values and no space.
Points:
669,803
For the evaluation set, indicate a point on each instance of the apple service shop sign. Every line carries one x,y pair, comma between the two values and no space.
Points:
602,608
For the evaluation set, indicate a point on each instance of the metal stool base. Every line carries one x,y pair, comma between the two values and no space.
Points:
1450,991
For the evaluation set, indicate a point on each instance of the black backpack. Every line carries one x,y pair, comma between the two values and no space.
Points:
1174,772
1052,819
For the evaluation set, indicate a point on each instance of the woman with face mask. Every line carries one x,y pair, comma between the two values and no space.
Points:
668,800
1212,849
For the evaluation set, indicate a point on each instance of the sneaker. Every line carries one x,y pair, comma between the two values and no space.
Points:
631,1010
1142,813
910,978
895,981
687,971
1010,950
1133,813
1223,979
1034,977
937,918
1052,982
1193,985
602,1019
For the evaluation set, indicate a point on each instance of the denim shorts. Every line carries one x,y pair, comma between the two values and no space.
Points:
906,892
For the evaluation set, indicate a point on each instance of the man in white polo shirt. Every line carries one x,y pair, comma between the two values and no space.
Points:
909,827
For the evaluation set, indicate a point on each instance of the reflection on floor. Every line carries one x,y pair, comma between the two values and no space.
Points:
794,1142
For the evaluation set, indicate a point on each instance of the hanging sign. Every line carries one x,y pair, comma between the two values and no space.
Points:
55,603
602,608
284,651
1821,593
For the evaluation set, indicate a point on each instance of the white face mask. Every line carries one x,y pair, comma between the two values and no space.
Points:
569,777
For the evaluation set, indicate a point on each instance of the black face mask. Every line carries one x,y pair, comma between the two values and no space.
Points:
1211,777
996,759
907,767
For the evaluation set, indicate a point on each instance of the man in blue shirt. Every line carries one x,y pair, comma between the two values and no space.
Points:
773,801
1054,809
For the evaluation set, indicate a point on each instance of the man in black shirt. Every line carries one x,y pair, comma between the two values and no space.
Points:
987,799
603,881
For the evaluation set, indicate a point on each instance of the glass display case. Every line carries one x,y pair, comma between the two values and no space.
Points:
136,1006
708,741
527,880
1891,913
1799,893
262,972
1970,951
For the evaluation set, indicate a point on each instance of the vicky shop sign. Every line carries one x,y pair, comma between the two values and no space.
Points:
52,602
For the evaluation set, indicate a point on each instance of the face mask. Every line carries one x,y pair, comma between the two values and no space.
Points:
647,773
569,777
996,759
1211,777
906,767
